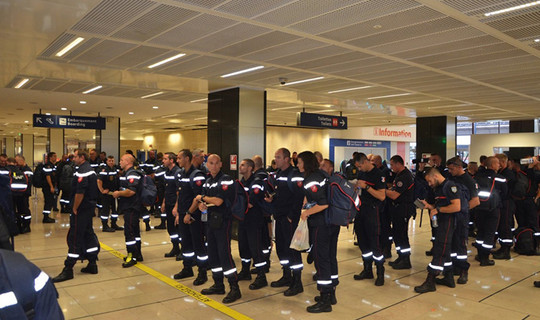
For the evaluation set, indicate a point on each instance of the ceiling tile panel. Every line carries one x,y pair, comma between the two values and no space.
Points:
104,51
47,84
250,8
257,43
346,57
220,69
71,87
226,37
486,57
203,3
309,55
285,49
138,56
191,65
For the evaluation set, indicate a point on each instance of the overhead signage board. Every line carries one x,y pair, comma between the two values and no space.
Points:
324,121
68,122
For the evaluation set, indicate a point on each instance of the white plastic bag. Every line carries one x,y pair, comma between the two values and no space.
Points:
300,240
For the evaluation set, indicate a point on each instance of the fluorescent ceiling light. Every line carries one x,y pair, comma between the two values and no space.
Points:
48,114
537,40
155,107
22,83
390,96
151,95
63,109
241,71
421,101
284,108
199,100
170,116
166,60
82,102
302,81
523,6
131,112
70,46
26,121
93,89
350,89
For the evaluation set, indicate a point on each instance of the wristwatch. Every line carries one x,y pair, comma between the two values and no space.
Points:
367,187
438,209
202,198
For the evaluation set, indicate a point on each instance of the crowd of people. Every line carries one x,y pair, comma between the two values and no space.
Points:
194,201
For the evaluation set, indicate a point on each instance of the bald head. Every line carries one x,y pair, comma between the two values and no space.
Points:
214,164
258,162
127,161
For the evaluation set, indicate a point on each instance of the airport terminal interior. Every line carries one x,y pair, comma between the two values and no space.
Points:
379,70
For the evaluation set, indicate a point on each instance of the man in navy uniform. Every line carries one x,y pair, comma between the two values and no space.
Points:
82,241
49,187
107,184
169,201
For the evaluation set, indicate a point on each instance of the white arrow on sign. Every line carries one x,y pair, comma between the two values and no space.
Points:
342,122
38,120
49,120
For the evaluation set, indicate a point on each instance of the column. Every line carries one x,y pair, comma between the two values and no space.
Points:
436,135
237,125
10,146
108,140
28,148
55,141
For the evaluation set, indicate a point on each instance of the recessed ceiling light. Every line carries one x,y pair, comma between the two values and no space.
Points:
48,114
537,40
70,46
302,81
155,107
349,89
26,121
242,71
21,83
82,102
389,96
151,95
422,101
92,89
377,26
166,60
131,112
199,100
523,6
63,109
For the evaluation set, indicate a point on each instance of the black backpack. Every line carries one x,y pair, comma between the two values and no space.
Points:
525,242
38,177
239,204
522,186
147,190
464,197
489,198
343,201
18,181
66,176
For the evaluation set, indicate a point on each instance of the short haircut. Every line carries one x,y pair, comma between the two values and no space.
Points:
330,162
455,161
432,172
187,153
171,156
286,153
20,156
491,160
103,153
250,163
82,153
129,152
110,157
397,159
502,156
50,154
473,163
197,151
3,155
360,157
11,160
483,158
257,161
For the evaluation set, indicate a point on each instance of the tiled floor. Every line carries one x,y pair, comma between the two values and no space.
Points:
504,291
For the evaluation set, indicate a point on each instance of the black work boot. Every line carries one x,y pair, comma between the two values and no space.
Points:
284,281
162,225
503,253
485,261
234,294
47,219
115,226
260,281
428,285
367,273
333,300
380,275
106,227
392,263
175,251
90,268
130,261
244,273
147,223
296,286
185,273
463,277
216,288
201,277
26,226
447,280
404,263
323,305
66,274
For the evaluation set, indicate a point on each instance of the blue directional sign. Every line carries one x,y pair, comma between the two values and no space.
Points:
68,122
325,121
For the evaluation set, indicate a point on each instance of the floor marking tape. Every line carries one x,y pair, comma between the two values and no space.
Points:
178,286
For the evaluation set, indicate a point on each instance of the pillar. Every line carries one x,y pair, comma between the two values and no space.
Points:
9,143
55,141
108,140
237,125
436,135
28,148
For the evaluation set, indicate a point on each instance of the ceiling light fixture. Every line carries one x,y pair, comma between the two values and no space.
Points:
92,90
421,101
21,83
131,112
350,89
523,6
82,102
390,96
48,114
166,60
26,121
70,46
537,40
199,100
63,109
155,107
284,108
242,71
201,118
151,95
302,81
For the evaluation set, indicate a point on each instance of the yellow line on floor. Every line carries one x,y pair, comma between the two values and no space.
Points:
178,286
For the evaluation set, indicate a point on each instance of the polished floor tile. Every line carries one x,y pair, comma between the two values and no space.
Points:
504,291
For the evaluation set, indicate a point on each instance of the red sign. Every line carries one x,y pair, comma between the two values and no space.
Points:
334,122
234,162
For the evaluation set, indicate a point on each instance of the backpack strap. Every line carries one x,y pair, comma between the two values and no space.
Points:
192,176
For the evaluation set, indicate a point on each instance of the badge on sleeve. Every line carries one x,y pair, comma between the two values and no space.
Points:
80,179
383,179
224,187
400,184
299,184
314,189
198,183
256,190
453,189
131,180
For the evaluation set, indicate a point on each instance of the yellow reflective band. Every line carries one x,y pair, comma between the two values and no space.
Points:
178,286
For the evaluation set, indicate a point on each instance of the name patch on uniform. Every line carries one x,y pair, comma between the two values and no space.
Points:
453,189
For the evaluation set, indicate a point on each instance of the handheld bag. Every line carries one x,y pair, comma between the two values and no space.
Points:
300,239
38,177
148,190
343,201
239,205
